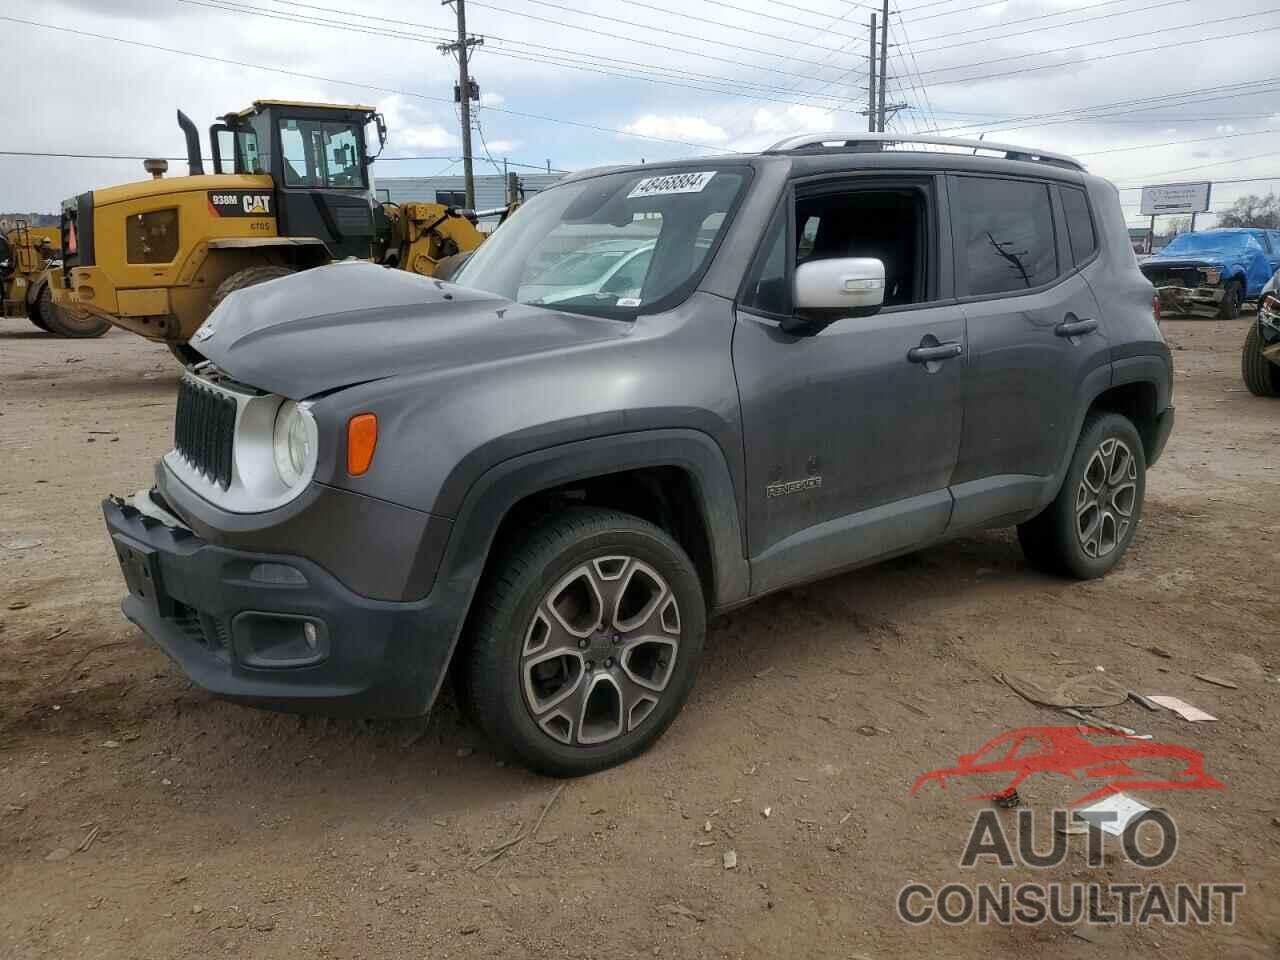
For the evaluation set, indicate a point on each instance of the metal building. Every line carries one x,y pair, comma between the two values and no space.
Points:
491,190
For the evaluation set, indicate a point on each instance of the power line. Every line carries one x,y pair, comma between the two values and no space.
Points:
794,23
1105,56
1098,43
557,58
1270,154
1217,183
1043,16
730,26
790,58
592,58
1139,105
354,83
1171,143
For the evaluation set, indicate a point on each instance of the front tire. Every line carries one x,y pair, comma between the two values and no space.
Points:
1232,299
1085,531
66,322
584,643
1261,376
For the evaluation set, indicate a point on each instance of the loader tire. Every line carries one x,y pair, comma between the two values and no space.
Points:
248,277
66,322
188,355
1261,376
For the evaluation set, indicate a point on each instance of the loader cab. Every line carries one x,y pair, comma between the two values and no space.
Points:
318,159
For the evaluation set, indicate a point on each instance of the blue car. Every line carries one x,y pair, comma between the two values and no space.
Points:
1215,270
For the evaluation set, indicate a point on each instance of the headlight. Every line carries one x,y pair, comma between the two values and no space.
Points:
1213,275
294,446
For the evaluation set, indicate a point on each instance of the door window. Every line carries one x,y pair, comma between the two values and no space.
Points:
320,153
1004,235
888,224
1079,225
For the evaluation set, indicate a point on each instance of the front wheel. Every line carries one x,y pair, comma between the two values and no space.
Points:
1261,376
67,321
1085,531
585,641
1232,299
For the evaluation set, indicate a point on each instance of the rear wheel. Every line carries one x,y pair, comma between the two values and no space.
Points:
67,321
1086,529
1261,376
585,641
188,355
1232,298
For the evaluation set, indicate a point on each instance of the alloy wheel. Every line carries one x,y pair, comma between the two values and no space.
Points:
599,651
1106,497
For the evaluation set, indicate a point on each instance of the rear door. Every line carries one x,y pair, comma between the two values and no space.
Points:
1023,247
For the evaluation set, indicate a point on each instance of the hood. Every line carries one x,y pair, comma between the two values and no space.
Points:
1206,259
354,321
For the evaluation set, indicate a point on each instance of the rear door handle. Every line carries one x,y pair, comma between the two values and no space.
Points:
1071,326
941,351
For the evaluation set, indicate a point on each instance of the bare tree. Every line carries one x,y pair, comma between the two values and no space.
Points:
1252,211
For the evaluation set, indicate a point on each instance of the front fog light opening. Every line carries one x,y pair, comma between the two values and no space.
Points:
279,640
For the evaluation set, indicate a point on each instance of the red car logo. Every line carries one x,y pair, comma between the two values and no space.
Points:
1067,750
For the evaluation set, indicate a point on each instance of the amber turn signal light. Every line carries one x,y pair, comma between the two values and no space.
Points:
362,440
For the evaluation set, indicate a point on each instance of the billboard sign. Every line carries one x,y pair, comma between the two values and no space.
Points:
1175,198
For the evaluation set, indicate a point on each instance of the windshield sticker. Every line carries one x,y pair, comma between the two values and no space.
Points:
671,183
628,302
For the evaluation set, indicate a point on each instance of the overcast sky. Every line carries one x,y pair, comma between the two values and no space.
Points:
583,82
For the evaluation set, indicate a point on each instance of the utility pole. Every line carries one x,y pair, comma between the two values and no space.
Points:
462,48
871,81
884,59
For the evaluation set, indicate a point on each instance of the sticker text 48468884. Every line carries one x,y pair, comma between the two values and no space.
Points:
671,183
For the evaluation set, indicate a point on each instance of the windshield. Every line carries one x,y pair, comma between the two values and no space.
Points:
320,153
615,245
1201,242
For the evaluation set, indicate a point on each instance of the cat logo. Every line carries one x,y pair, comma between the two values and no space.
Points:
239,203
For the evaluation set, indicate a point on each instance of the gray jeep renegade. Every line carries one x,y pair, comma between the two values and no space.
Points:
656,393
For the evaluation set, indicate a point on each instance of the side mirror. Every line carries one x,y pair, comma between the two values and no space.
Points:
829,290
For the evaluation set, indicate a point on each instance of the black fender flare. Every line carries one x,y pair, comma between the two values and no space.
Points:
505,484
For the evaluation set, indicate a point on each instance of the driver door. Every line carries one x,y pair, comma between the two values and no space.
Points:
850,445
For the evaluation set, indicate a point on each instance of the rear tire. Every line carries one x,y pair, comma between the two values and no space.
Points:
584,641
67,322
188,355
1085,531
1232,298
1261,376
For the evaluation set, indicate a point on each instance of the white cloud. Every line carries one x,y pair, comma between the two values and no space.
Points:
488,99
411,126
504,147
677,127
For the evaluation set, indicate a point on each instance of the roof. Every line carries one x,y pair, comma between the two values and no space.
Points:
880,142
260,105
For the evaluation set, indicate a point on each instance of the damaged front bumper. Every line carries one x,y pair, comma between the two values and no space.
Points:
1175,298
273,630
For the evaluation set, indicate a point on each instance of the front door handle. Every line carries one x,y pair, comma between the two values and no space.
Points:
1072,326
930,353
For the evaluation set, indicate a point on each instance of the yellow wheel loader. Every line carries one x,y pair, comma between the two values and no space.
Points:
289,189
28,257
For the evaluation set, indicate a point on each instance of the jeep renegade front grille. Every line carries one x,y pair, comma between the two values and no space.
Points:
204,430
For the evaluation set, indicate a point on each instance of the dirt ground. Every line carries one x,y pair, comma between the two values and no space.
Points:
211,829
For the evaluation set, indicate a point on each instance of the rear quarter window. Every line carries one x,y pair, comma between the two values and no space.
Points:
1084,241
